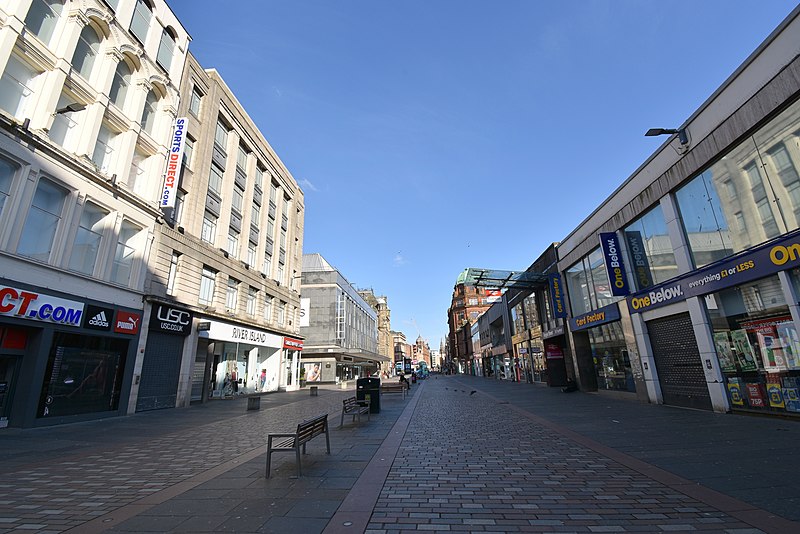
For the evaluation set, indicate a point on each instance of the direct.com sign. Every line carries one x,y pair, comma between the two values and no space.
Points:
38,307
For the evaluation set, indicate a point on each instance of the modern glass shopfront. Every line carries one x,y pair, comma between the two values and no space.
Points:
757,346
240,360
610,360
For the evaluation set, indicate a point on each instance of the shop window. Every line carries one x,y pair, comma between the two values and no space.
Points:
136,176
65,123
125,253
578,288
83,59
42,18
83,375
650,254
87,239
140,23
120,84
42,222
610,357
757,345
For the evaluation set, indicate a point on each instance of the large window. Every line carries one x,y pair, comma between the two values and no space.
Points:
104,149
7,172
42,18
207,282
252,297
173,272
140,22
166,49
83,59
587,283
18,84
750,195
64,123
87,239
650,254
83,375
232,294
149,112
221,135
233,242
215,179
120,84
209,230
125,253
195,101
268,308
42,222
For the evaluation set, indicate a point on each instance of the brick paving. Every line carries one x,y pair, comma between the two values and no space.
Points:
506,458
469,464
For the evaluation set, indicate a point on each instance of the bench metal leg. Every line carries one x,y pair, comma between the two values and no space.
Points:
299,467
269,456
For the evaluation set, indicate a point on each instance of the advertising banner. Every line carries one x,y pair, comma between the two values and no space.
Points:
493,295
174,163
305,308
615,266
760,262
557,296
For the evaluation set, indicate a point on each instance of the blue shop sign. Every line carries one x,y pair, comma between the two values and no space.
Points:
757,263
615,267
557,295
606,314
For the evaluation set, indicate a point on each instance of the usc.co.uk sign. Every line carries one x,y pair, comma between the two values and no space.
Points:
760,262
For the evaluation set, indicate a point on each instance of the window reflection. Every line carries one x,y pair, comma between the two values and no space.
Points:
650,250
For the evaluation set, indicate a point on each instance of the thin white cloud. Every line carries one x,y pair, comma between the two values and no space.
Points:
306,184
399,259
277,91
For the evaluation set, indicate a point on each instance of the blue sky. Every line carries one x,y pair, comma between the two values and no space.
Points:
434,135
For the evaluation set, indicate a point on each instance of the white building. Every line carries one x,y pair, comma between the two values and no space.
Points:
88,97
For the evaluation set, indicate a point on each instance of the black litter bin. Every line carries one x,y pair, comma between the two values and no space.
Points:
370,388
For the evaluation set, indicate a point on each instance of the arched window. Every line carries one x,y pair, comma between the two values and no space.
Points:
42,18
140,23
166,48
149,112
86,51
119,87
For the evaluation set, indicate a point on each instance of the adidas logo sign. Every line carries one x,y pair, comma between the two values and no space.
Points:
99,320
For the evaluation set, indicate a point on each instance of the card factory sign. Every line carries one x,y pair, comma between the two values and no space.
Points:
241,334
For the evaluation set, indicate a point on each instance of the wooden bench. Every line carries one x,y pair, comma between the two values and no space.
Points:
394,387
306,431
351,406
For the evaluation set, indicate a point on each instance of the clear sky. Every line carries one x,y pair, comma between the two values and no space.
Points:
434,135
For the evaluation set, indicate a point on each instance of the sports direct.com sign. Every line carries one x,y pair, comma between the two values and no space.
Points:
174,163
35,306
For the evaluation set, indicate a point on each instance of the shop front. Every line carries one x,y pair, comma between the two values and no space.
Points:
610,362
751,302
549,361
63,358
240,360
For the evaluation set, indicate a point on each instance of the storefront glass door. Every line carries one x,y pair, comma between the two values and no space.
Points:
8,368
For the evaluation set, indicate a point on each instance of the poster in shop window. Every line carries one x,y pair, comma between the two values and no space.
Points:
775,395
755,395
771,351
791,393
744,351
735,392
791,344
724,352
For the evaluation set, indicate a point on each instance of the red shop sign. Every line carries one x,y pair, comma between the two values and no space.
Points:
127,323
291,343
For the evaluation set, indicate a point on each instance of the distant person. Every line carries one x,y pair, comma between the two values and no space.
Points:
404,381
413,377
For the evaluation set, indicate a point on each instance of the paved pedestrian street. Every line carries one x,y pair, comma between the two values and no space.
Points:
459,454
